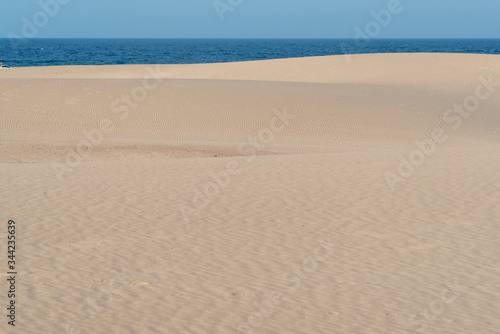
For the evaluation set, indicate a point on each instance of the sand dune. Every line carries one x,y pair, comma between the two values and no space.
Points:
321,195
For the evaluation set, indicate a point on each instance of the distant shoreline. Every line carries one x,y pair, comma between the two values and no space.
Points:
56,52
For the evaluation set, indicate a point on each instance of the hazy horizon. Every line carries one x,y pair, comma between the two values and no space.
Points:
270,38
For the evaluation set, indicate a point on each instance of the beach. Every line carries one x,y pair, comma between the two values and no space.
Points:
335,194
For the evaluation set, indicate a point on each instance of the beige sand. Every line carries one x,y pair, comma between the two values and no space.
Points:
260,197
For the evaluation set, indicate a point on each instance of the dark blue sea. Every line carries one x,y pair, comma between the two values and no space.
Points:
50,52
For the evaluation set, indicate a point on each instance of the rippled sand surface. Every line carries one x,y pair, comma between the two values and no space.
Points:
313,195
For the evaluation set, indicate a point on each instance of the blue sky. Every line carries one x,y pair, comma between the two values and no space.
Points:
250,18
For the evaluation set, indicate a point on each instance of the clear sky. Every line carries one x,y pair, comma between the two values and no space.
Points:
248,18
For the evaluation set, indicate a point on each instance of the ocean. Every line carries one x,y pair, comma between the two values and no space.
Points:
51,52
